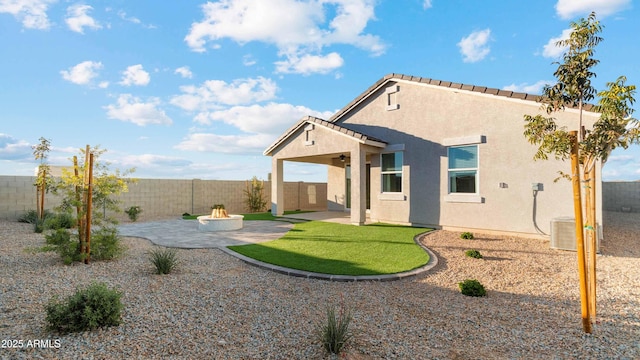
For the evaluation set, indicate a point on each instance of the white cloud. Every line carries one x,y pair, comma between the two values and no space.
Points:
133,109
14,149
103,84
135,75
32,13
184,71
427,4
248,60
535,89
226,144
213,94
83,73
77,18
151,160
568,9
551,50
475,46
308,64
134,20
296,28
272,118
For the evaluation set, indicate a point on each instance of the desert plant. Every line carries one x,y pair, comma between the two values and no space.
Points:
254,195
105,244
88,309
165,260
334,332
29,217
472,287
60,241
473,254
133,212
60,220
466,235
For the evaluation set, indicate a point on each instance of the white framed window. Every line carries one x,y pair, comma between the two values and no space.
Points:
391,170
463,169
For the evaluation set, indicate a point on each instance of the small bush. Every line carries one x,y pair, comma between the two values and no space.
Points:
62,243
165,260
88,309
29,217
105,244
63,220
472,287
473,254
133,212
334,332
466,235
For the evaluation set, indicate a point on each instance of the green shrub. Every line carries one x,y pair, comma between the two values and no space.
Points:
105,244
63,220
334,332
133,212
29,217
88,309
473,254
38,226
466,235
165,260
64,244
472,287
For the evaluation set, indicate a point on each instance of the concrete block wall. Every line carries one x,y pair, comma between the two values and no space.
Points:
621,196
160,198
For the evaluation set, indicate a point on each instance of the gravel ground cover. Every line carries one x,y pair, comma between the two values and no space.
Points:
215,306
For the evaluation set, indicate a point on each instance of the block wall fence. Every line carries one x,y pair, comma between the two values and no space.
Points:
621,196
167,198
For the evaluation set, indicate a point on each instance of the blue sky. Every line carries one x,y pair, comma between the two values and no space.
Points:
193,89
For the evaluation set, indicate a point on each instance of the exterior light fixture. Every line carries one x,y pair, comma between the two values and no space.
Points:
342,157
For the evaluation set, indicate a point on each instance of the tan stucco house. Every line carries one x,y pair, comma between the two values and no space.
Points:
424,152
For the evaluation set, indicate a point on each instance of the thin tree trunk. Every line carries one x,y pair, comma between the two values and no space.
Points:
43,188
577,208
593,239
89,209
78,208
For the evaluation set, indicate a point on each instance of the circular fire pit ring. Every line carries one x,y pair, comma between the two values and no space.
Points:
207,223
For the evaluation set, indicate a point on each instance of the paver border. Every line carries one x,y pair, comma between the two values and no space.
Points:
433,261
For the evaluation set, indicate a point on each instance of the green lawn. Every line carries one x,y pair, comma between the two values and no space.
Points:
340,249
254,216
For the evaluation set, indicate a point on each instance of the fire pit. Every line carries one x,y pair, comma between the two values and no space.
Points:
219,220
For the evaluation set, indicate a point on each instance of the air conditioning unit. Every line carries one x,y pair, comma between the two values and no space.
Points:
563,234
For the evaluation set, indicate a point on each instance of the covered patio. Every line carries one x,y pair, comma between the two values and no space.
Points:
317,141
339,217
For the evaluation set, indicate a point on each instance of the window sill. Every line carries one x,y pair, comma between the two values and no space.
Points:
392,197
464,198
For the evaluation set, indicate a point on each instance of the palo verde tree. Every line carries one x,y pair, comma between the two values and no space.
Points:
585,147
90,185
43,179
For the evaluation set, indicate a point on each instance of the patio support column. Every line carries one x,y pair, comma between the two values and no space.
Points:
277,187
358,186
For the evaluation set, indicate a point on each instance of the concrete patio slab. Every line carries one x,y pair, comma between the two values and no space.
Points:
185,234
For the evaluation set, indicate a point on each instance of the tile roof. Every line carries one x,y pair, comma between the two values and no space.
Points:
447,84
329,125
342,129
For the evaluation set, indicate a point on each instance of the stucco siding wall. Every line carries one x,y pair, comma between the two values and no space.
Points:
426,118
336,187
167,197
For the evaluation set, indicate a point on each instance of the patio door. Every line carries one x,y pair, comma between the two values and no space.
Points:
347,173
